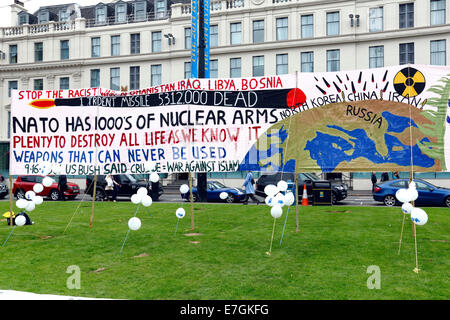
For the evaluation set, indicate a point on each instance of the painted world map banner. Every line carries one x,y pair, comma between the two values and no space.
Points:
384,119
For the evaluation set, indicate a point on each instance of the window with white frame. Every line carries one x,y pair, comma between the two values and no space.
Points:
437,12
332,23
64,15
376,56
64,83
187,70
282,64
115,45
258,31
214,36
258,66
156,41
213,68
64,49
13,53
307,61
235,67
135,76
140,10
438,52
406,15
38,51
376,19
282,29
121,13
156,75
307,26
12,85
235,33
100,15
187,38
95,47
135,43
38,84
406,53
95,78
333,60
115,79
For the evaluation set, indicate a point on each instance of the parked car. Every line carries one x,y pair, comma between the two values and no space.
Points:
3,190
26,183
338,190
128,186
429,195
213,191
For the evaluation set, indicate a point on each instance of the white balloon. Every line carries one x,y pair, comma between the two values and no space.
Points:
47,181
134,223
29,195
20,221
412,185
38,200
21,203
282,185
419,216
407,207
271,190
402,195
412,194
180,213
184,188
38,188
276,211
279,200
289,199
142,191
154,177
270,201
146,201
30,206
136,198
223,195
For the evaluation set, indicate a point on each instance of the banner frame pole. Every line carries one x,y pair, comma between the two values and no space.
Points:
94,191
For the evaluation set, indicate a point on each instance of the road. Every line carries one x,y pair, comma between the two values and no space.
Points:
355,198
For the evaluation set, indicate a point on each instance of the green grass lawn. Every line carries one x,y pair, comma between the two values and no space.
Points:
327,259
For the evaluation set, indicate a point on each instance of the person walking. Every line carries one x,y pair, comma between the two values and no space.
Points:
249,189
62,186
116,187
109,188
396,175
384,177
374,181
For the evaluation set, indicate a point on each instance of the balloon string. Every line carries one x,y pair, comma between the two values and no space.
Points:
273,230
128,232
176,228
285,220
76,210
401,234
9,235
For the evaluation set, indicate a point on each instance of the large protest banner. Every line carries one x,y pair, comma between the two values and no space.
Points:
362,120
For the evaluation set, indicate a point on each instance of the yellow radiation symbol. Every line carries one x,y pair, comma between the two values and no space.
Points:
409,82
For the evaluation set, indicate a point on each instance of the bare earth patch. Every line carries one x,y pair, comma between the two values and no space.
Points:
195,242
99,270
45,237
193,234
141,255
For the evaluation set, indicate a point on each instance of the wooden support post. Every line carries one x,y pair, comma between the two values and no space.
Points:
296,201
10,200
93,201
191,199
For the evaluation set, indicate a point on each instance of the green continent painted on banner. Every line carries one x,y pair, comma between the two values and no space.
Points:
354,136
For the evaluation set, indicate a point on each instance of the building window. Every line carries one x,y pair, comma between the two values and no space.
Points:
406,51
43,17
121,13
258,66
156,71
307,23
95,47
406,15
64,83
187,70
64,15
95,78
156,41
376,19
115,45
213,68
38,84
100,15
235,33
235,67
376,57
282,64
11,86
187,38
438,52
38,51
258,31
332,23
214,36
140,10
160,9
333,60
13,53
135,45
307,61
9,124
23,19
134,78
64,49
115,79
437,12
282,29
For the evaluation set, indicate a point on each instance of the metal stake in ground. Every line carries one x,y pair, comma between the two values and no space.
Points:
191,197
271,240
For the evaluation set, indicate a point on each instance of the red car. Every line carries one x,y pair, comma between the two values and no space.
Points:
26,183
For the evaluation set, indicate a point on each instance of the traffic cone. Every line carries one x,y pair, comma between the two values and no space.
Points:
305,196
